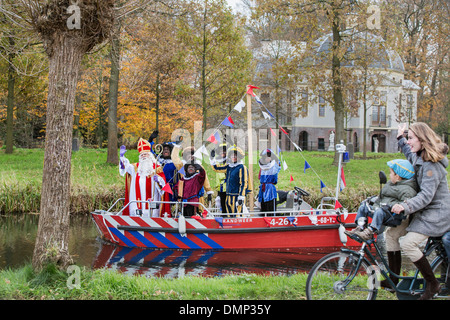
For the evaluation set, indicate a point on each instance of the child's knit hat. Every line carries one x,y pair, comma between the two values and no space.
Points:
402,167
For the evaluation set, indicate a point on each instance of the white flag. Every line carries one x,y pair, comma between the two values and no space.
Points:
266,115
297,147
285,166
239,106
203,150
198,154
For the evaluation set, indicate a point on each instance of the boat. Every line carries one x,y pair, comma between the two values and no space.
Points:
295,225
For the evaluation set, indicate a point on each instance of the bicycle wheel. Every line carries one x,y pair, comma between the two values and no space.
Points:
328,279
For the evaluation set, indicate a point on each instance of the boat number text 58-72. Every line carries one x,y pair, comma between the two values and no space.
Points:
289,221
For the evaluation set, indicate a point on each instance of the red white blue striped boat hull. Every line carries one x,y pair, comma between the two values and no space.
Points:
255,232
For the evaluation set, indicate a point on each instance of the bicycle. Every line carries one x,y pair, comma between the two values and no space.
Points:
349,274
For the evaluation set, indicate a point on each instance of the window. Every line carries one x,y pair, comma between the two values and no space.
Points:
379,116
321,144
409,99
304,103
376,98
321,105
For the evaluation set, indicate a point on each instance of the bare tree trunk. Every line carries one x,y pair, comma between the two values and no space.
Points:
113,158
52,237
337,82
10,100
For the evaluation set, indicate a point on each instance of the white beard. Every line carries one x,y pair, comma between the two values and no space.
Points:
145,168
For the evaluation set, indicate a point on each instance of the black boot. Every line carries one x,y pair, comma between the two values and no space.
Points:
395,265
432,285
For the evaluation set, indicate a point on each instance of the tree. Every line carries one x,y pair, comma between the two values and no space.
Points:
113,96
312,19
23,65
419,30
218,54
68,31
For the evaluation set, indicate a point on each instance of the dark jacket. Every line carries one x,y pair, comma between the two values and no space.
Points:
397,193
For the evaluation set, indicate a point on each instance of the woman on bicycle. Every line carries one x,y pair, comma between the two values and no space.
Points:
430,207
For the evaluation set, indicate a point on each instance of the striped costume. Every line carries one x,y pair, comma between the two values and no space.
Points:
237,184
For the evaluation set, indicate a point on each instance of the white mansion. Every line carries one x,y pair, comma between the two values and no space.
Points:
309,119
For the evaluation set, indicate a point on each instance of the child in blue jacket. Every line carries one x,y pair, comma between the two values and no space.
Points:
268,178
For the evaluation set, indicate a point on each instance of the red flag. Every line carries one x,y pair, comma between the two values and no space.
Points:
273,132
250,90
283,131
343,184
167,188
214,138
337,205
292,178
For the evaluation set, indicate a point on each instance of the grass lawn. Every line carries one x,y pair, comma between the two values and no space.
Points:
100,284
96,184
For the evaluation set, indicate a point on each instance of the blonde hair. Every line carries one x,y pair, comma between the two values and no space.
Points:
433,149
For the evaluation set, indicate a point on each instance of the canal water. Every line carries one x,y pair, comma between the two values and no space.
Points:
18,234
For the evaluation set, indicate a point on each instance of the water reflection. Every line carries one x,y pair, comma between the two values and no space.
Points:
207,263
18,235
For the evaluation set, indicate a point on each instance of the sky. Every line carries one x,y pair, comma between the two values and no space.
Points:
233,3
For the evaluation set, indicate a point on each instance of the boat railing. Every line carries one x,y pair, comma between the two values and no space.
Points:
323,203
323,208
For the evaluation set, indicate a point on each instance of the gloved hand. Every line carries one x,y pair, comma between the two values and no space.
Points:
153,135
123,149
213,153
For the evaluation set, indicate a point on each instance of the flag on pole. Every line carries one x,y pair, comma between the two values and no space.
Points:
239,106
322,185
284,131
214,138
269,113
198,154
258,100
250,90
285,166
337,205
343,184
228,122
203,150
266,115
181,171
307,166
297,147
273,132
167,188
291,179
